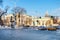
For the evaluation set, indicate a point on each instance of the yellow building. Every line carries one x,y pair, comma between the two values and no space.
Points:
23,20
26,20
45,21
7,19
20,19
58,21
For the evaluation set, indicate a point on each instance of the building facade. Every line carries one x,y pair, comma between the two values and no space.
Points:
26,20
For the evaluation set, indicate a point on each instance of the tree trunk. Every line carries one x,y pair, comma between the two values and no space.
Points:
1,22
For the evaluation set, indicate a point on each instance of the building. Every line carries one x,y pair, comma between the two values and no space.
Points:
45,21
23,20
7,19
26,20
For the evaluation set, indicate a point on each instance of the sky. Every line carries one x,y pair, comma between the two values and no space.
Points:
36,7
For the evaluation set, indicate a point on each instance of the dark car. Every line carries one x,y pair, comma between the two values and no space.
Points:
42,28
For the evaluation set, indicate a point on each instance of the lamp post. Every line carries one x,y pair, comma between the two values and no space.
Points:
12,22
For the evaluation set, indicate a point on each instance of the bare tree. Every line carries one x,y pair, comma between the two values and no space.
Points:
2,12
18,10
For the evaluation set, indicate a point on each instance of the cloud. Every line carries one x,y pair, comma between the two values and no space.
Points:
56,11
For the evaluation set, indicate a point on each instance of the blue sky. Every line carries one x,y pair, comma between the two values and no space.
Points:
36,7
